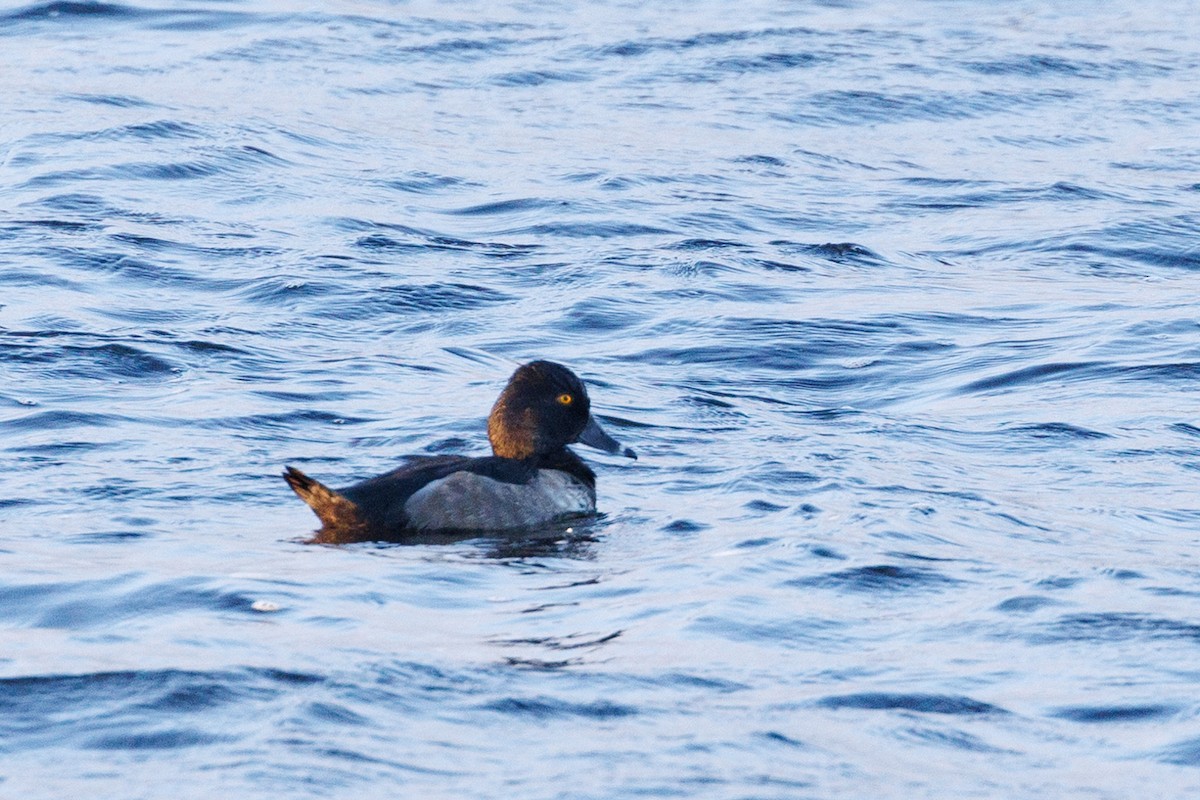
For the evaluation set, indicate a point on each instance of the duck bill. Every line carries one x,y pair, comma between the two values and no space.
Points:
594,436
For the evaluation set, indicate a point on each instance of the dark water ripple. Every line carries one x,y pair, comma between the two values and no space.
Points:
921,703
876,579
894,302
1102,714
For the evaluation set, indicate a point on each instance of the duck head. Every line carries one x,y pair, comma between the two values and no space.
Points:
544,408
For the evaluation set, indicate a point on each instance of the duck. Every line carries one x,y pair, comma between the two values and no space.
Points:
530,480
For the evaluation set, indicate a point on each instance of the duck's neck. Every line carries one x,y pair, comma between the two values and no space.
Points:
566,461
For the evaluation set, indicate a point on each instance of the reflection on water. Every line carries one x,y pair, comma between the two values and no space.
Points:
575,540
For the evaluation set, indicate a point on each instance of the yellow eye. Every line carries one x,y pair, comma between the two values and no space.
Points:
566,399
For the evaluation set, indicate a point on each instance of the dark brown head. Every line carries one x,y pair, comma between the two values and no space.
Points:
544,408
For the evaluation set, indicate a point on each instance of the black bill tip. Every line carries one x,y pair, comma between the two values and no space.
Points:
594,436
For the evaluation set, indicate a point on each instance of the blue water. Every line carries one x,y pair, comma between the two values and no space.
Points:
896,302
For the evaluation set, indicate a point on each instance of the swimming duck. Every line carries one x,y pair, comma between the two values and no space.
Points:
530,479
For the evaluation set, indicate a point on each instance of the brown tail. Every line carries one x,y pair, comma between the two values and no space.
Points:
335,512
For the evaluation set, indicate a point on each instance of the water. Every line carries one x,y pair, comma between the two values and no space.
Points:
896,302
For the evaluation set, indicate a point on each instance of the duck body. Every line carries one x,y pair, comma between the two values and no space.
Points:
448,493
531,479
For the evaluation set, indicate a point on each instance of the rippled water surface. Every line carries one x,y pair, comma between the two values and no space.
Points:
897,303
